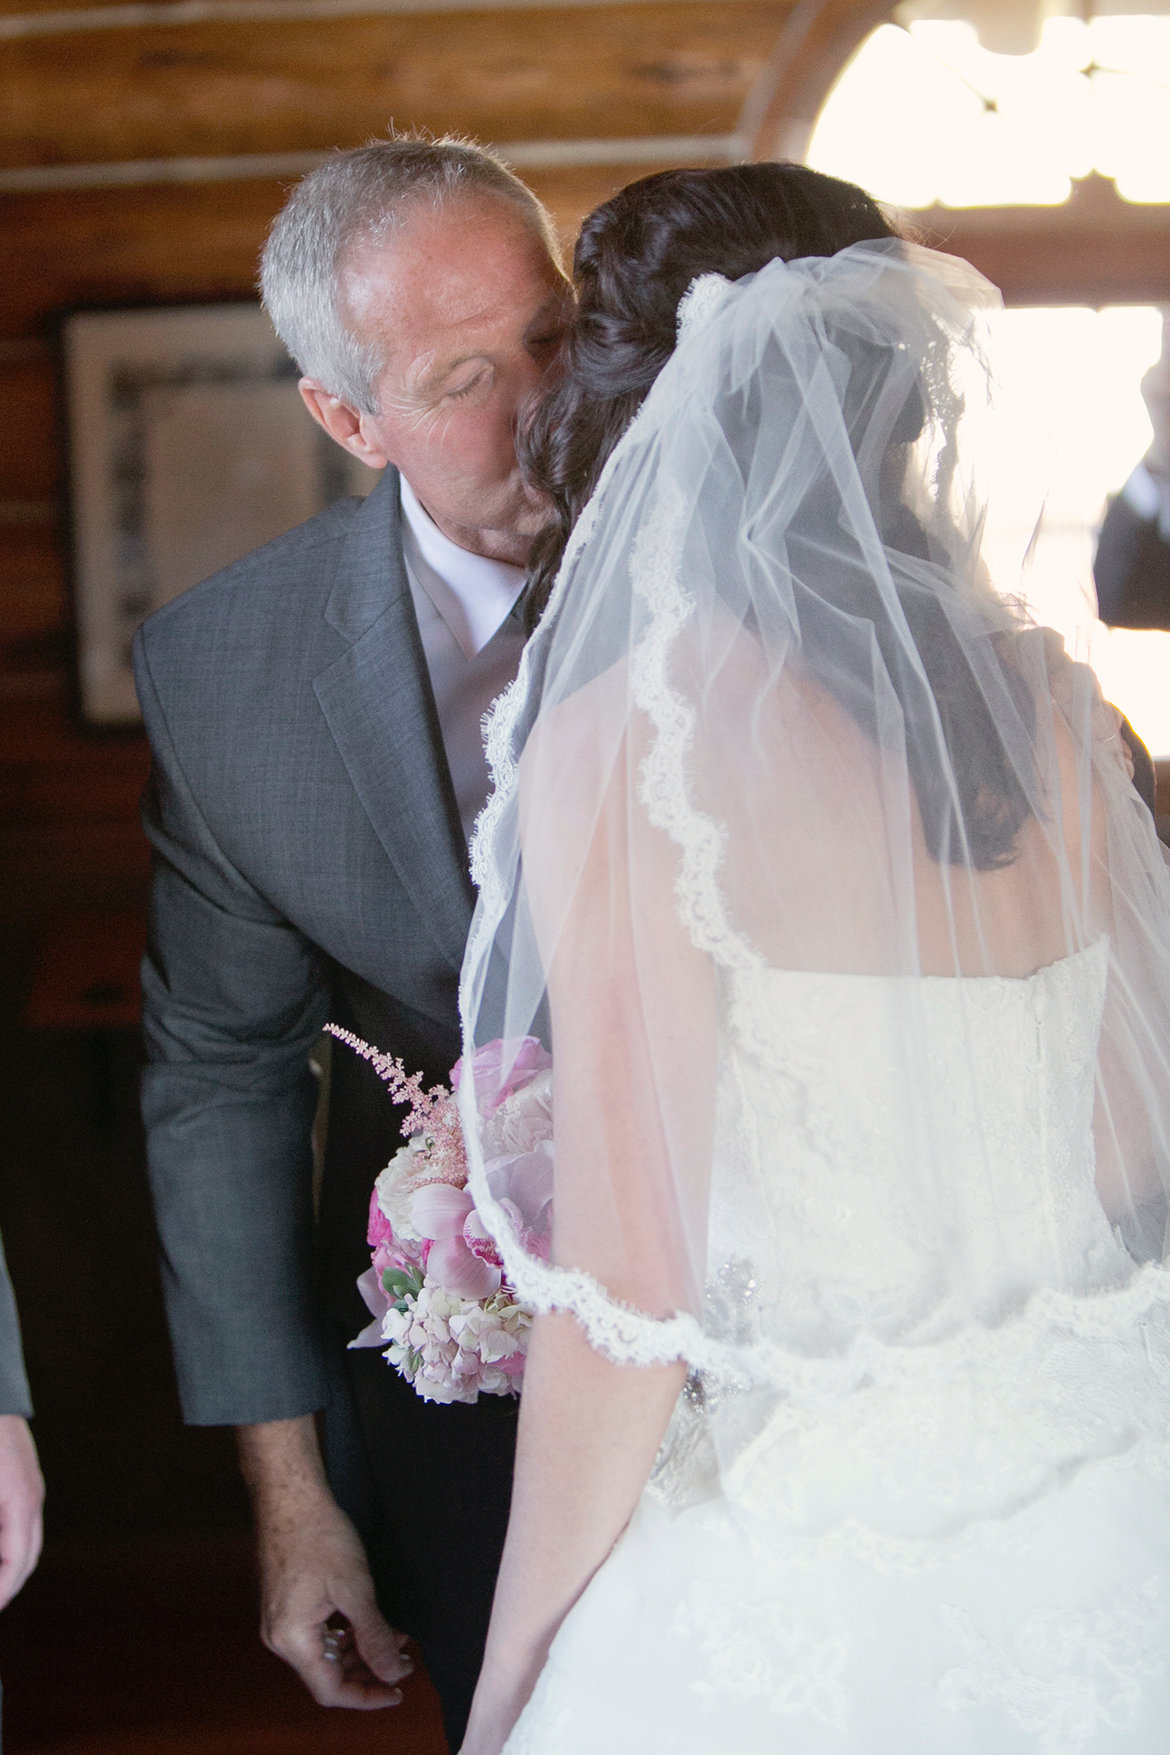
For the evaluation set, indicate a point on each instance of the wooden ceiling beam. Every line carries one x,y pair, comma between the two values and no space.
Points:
528,157
31,18
647,68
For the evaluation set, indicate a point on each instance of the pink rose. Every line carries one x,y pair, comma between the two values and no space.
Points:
524,1057
379,1229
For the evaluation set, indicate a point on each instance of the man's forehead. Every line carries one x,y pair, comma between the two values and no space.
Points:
462,264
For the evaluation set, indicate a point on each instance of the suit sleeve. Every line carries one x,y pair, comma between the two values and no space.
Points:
233,999
14,1396
1131,570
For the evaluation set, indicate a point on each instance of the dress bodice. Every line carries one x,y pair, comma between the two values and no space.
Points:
942,1319
887,1197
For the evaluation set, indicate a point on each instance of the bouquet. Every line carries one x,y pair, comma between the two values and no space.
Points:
436,1288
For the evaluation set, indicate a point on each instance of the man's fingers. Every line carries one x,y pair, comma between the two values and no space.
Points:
377,1645
335,1684
333,1669
340,1684
22,1494
319,1611
20,1548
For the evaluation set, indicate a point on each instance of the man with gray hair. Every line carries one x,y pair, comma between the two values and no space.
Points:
314,717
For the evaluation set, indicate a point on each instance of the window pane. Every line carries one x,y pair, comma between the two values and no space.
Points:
1076,425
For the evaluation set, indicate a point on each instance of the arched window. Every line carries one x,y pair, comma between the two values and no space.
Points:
1035,141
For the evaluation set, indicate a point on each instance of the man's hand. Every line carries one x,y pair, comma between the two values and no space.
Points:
318,1611
22,1494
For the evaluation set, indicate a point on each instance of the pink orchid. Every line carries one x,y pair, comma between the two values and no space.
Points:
523,1185
455,1267
525,1178
438,1210
441,1212
480,1240
377,1302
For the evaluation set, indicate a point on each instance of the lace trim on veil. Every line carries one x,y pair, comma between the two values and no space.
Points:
625,1334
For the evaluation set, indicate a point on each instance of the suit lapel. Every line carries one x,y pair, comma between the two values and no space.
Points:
377,700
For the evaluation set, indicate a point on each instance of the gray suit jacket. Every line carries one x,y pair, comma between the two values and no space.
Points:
14,1396
1131,569
309,864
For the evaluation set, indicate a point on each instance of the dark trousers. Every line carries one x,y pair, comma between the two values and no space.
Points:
428,1487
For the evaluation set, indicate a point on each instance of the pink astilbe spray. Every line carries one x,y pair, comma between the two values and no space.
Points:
432,1114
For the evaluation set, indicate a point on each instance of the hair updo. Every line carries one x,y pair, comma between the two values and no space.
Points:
634,260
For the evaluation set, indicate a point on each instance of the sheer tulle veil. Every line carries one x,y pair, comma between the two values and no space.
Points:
777,723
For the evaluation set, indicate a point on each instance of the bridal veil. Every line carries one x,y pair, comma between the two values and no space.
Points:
779,725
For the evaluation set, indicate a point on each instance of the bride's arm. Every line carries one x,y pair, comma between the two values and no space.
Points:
589,1432
632,1005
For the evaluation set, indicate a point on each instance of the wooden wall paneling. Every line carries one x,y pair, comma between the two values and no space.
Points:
1095,249
570,192
18,8
665,67
69,834
153,244
29,443
33,598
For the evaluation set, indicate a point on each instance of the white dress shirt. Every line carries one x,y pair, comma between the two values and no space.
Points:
471,639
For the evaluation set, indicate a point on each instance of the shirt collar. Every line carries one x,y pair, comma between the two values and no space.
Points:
474,595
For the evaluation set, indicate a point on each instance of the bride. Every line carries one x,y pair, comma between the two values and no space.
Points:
847,1424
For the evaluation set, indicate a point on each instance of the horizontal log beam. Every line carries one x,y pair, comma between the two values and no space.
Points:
640,69
522,155
170,14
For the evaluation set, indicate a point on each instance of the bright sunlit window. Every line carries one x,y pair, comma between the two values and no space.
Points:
925,113
1075,426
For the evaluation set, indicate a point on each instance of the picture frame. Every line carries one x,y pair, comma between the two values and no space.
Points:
188,447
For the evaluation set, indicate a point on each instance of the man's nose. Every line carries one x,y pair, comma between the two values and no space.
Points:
533,374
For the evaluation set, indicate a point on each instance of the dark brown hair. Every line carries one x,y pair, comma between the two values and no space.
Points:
634,259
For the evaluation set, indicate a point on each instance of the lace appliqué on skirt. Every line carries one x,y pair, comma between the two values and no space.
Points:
1067,1676
760,1649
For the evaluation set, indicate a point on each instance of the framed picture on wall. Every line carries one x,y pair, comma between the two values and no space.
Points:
188,446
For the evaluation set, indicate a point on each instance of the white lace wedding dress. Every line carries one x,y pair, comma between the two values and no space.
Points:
955,1537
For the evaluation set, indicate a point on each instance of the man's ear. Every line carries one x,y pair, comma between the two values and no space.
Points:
342,422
